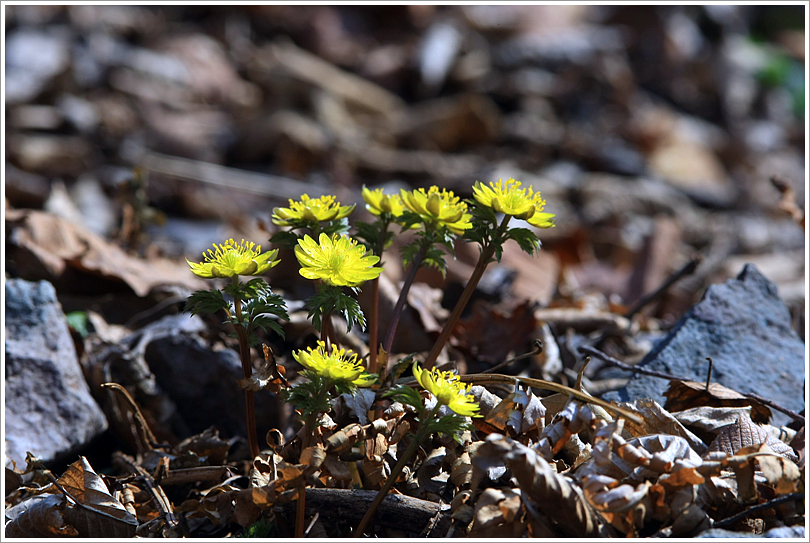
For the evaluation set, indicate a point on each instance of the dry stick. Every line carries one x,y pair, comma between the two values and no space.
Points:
761,507
421,434
144,432
635,369
686,269
483,261
300,517
488,378
163,502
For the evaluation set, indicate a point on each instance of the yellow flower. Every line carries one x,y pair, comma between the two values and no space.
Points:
230,259
438,208
508,198
308,209
448,390
338,261
338,367
378,203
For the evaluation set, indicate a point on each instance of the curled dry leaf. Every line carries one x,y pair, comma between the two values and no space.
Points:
658,420
91,510
558,497
682,395
495,514
39,516
270,375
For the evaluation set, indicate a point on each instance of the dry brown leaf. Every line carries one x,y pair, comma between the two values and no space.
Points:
743,433
270,375
560,498
658,420
490,335
495,513
39,516
97,513
682,395
780,472
48,247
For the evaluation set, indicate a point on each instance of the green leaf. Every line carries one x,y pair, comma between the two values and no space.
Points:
525,238
204,302
329,298
340,226
311,396
408,396
452,424
285,238
79,321
408,219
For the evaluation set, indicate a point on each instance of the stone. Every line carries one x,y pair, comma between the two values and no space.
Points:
745,328
184,384
49,409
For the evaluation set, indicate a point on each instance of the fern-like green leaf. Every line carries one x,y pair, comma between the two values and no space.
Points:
525,238
204,302
408,396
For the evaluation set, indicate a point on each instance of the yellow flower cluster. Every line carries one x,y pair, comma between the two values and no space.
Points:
448,390
438,208
508,198
321,209
337,261
338,366
230,259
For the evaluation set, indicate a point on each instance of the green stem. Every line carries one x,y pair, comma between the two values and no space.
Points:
420,436
247,371
403,295
483,261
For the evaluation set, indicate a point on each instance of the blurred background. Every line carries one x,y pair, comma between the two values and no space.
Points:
652,132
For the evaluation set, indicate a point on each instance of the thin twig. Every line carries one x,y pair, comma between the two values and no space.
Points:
636,369
538,348
147,438
621,365
761,507
769,403
686,269
484,378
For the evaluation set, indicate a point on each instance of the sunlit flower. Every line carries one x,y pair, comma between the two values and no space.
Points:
378,203
309,209
230,259
338,260
338,367
508,198
438,208
448,390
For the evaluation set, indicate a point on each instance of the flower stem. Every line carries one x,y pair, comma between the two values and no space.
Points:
483,261
372,325
421,434
247,371
306,438
403,295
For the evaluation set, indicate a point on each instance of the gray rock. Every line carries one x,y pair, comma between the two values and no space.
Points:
184,384
202,384
745,328
49,409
